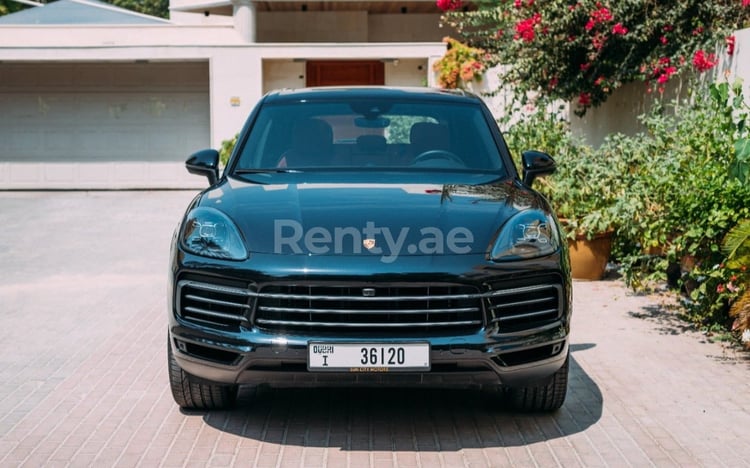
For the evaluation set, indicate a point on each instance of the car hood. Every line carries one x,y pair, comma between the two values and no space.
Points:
388,220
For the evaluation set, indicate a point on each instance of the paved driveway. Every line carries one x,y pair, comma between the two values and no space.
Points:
83,378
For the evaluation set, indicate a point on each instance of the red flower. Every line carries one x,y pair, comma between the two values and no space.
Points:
730,43
585,98
585,66
525,29
620,29
703,62
664,61
448,5
599,81
720,288
663,39
699,30
602,15
745,2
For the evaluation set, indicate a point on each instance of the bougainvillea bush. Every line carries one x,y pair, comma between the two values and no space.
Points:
581,51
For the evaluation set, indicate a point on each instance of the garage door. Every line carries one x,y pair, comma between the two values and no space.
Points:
102,125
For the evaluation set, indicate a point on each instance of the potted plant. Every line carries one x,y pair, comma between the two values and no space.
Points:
584,193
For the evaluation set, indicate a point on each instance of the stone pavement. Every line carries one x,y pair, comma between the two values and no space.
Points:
83,380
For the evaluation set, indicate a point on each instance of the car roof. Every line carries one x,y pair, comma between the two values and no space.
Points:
372,92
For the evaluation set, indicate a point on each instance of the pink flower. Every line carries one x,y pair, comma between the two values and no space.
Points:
720,288
598,41
699,30
599,81
619,29
585,66
663,40
745,2
703,62
663,78
448,5
585,98
730,44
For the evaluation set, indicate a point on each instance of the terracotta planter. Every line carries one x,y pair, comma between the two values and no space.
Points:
589,257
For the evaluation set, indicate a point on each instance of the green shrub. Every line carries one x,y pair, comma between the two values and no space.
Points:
671,193
227,146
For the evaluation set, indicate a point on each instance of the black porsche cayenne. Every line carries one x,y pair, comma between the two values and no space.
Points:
369,236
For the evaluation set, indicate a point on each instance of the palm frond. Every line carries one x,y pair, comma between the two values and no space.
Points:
741,310
736,244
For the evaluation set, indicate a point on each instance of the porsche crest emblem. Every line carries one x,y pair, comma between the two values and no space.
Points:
369,243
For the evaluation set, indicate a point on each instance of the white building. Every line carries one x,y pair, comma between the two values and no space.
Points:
94,96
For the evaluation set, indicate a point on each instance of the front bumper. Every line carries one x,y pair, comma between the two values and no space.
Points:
485,356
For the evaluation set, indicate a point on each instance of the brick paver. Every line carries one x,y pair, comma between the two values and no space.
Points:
83,379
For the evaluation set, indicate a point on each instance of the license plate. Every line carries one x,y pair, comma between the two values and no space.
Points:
368,357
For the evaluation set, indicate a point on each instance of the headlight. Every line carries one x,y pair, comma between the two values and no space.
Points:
211,233
528,234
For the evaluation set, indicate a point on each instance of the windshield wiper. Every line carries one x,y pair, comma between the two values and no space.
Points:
277,170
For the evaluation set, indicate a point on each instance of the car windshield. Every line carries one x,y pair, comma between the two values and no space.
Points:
375,135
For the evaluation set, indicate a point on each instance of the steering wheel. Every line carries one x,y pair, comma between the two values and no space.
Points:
438,154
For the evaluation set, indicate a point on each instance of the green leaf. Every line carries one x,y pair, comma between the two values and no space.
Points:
739,168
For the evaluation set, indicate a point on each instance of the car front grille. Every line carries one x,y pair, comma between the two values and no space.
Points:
437,309
525,304
361,308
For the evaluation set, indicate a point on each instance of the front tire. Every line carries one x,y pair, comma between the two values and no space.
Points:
190,393
547,395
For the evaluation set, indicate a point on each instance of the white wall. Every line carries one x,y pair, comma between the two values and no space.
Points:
312,26
405,28
279,74
407,72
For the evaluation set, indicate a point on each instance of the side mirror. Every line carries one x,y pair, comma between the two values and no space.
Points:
205,163
536,164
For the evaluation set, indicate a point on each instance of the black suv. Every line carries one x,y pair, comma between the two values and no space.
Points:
369,236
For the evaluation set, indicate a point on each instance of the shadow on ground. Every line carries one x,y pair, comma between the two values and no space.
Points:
665,318
404,419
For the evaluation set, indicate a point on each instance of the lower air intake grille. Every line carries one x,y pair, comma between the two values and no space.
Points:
213,304
525,305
